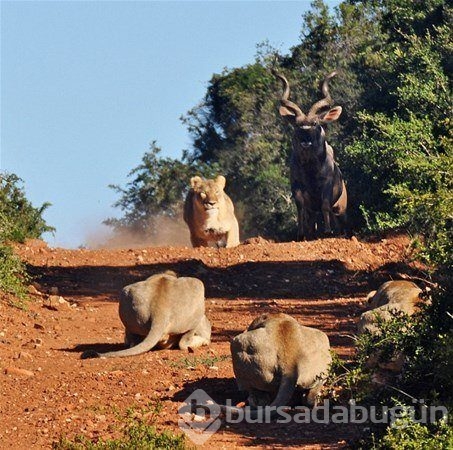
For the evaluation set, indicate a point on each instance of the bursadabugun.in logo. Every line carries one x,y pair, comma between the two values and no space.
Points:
199,424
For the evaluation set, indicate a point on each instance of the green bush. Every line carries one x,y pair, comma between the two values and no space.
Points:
405,435
12,274
19,220
426,341
137,436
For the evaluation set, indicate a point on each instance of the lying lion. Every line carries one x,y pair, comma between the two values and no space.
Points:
399,295
162,311
209,213
277,357
391,297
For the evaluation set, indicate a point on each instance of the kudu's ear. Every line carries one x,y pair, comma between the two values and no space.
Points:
287,113
195,182
220,181
331,115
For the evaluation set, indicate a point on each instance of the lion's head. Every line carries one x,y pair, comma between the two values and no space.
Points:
208,194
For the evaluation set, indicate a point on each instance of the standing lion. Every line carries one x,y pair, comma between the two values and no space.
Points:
209,214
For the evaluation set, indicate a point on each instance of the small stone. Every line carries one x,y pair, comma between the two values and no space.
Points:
33,291
197,418
53,290
25,356
37,286
19,372
56,302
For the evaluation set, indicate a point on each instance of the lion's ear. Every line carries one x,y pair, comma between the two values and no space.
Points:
195,182
220,181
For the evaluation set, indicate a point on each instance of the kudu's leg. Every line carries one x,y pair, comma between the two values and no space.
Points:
311,220
301,215
343,226
326,205
326,212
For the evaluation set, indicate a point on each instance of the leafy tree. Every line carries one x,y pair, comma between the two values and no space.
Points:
157,189
400,164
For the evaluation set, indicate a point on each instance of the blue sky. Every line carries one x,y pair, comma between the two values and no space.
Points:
86,86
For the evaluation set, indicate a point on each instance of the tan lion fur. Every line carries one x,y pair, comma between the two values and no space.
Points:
276,357
209,214
162,311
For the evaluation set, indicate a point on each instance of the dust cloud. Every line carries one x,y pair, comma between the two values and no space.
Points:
169,232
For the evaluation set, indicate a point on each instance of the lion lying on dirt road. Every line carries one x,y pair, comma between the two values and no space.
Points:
162,311
276,357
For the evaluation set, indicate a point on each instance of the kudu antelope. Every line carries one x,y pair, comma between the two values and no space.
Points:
316,181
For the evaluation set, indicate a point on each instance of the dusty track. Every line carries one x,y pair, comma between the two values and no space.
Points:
321,283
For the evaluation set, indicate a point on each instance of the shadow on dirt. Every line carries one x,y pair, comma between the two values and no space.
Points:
297,430
100,347
254,280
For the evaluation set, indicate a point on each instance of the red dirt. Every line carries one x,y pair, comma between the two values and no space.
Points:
321,283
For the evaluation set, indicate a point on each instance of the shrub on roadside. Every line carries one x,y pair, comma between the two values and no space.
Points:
19,220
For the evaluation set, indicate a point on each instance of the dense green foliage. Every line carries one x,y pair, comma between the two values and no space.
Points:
12,274
414,436
19,220
401,164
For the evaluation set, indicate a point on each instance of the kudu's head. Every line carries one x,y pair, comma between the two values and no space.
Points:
309,133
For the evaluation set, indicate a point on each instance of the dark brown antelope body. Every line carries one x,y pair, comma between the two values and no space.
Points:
317,184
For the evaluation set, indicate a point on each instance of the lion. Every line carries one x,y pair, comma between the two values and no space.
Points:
162,311
277,357
209,214
392,297
398,295
279,363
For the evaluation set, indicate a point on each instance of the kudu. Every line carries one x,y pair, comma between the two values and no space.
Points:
316,181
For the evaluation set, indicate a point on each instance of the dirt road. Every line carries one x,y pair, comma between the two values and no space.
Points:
48,391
